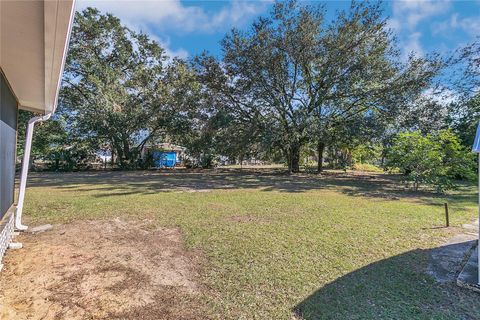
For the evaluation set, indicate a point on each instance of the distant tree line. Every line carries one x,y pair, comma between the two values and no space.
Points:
294,87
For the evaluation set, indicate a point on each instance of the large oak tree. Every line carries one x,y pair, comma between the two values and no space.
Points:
115,88
299,76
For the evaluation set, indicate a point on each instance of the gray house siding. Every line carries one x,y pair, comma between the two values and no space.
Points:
8,140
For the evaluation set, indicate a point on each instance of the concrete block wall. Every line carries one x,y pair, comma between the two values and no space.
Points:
6,233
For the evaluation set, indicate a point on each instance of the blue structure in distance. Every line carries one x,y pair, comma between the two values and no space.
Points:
162,159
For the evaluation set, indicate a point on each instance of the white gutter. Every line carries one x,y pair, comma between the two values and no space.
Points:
30,127
24,174
64,57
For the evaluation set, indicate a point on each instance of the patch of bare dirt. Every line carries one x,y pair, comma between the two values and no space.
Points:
101,270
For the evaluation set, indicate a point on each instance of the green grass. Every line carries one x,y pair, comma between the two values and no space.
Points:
279,246
367,167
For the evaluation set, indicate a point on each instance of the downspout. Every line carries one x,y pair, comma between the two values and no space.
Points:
24,173
30,127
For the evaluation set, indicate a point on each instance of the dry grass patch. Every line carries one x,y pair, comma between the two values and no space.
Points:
102,270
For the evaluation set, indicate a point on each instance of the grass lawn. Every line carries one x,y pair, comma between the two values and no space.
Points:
282,247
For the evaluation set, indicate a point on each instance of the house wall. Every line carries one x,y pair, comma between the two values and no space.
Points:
8,141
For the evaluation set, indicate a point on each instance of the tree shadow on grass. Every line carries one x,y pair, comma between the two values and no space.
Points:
394,288
380,186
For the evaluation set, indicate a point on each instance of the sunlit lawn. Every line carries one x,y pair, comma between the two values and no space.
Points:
280,246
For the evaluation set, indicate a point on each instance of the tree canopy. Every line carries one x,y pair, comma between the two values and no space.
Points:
299,77
115,89
291,87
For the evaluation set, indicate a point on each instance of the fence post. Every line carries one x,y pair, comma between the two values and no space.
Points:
446,215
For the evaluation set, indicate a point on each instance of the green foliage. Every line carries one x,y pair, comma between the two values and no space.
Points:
464,74
436,159
300,78
464,117
115,88
294,82
366,154
54,146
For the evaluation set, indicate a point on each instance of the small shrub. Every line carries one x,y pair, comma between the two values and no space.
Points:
437,159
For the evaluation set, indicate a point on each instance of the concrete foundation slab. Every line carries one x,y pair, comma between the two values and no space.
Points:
468,277
446,261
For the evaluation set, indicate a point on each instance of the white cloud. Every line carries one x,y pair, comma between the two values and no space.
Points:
408,13
412,44
165,44
156,17
172,14
470,25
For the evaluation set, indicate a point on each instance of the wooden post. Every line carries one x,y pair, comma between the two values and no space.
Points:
447,221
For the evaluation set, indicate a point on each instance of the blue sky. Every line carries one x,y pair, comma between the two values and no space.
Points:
186,28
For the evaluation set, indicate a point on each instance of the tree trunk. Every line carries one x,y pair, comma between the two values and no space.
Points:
294,158
112,159
120,157
126,151
320,151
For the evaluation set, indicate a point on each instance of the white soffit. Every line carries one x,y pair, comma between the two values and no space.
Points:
33,41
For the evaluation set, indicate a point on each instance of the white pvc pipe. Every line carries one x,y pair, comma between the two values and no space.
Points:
24,173
31,124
